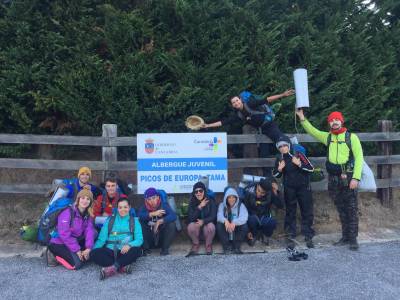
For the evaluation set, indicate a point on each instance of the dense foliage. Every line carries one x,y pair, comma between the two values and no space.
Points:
68,66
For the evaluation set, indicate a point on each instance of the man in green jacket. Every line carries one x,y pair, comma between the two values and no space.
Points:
344,166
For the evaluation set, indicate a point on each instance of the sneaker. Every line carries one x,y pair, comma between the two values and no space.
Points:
353,245
209,250
164,252
309,243
107,272
51,259
227,250
146,252
343,241
127,269
237,251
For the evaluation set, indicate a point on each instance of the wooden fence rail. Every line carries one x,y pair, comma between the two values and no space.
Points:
109,142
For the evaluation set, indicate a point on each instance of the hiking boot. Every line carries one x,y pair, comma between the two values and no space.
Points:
51,259
107,272
343,241
309,243
195,249
127,269
237,251
209,250
353,245
164,252
251,242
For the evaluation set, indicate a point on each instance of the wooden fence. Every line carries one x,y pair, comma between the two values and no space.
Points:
109,141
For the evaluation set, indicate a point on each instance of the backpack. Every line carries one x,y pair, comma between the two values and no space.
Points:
131,223
104,199
263,109
335,169
48,221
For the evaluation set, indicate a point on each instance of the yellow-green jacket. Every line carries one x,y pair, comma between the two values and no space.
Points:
338,153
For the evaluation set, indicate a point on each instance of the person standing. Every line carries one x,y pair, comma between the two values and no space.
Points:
296,169
344,166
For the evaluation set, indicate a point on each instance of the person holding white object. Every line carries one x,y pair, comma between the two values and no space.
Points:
344,166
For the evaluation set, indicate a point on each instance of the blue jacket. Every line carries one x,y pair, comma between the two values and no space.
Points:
78,188
121,224
170,215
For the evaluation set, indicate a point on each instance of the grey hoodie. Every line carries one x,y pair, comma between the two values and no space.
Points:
237,220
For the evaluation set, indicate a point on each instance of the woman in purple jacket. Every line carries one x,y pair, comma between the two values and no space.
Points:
75,232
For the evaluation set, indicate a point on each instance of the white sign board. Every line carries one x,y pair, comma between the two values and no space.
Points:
174,162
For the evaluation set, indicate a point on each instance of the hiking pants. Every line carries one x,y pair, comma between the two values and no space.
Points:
266,224
238,235
346,204
162,239
272,131
71,257
303,196
195,230
105,257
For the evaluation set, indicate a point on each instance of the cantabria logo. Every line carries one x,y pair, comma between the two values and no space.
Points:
149,146
214,144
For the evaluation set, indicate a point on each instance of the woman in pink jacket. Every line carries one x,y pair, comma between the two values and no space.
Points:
75,232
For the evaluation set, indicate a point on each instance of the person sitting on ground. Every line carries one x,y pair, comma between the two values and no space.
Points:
84,175
75,235
202,214
296,170
106,201
119,242
258,199
231,226
158,222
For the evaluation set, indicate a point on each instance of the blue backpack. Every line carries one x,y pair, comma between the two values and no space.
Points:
48,220
264,109
297,148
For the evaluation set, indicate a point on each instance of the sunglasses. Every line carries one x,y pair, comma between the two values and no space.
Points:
198,191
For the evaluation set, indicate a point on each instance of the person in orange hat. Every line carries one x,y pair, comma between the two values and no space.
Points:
84,175
344,165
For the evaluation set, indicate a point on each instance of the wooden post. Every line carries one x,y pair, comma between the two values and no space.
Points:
385,171
251,151
109,153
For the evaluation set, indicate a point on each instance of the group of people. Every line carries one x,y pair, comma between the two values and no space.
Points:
344,161
243,214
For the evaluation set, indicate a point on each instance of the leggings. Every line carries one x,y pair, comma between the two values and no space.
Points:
105,257
71,257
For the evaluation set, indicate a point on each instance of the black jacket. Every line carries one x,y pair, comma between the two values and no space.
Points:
260,207
294,176
208,213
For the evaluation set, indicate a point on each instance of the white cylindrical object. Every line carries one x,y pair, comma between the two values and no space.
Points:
251,178
60,192
301,87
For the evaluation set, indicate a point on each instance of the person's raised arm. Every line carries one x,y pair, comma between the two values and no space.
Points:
279,96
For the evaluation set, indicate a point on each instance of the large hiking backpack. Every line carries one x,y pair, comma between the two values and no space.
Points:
48,221
263,109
